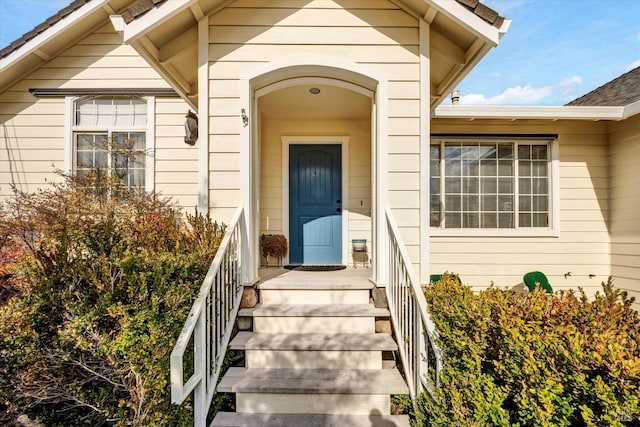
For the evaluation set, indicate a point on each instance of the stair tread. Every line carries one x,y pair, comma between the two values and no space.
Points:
314,310
233,419
309,381
317,285
331,342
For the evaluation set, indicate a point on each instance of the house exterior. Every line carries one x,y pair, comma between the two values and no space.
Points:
318,116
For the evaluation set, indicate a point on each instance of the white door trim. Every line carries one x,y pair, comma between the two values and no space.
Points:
343,141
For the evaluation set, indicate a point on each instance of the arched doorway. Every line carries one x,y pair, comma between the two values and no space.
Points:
340,104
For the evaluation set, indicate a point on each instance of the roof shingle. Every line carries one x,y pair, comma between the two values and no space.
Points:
621,91
40,28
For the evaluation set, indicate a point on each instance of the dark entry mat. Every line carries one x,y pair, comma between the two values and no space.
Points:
315,267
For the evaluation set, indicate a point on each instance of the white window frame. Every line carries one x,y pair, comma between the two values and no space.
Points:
148,129
553,230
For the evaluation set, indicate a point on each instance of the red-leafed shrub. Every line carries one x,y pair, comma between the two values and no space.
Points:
534,359
106,281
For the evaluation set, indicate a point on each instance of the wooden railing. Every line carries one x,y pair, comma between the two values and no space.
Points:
414,330
210,322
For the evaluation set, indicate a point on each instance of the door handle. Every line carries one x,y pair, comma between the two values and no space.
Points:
338,201
338,210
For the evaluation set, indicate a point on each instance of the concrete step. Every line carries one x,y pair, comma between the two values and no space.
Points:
313,351
302,288
311,342
318,296
233,419
315,391
313,381
304,318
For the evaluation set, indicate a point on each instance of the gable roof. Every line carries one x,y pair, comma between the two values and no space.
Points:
621,91
40,28
141,7
486,13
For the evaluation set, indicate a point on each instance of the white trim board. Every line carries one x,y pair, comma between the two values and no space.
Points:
343,141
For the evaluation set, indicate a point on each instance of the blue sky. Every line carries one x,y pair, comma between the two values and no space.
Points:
554,51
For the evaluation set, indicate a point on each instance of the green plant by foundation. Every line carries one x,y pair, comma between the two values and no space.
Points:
534,359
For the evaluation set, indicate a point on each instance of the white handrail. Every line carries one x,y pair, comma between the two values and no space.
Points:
414,330
210,321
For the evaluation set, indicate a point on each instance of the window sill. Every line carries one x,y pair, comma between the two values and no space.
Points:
484,232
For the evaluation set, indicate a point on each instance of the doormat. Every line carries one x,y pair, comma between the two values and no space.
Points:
315,267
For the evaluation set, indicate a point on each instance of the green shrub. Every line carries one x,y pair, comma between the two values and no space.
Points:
534,359
102,293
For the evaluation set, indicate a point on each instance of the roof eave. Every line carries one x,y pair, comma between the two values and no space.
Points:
631,110
504,112
32,46
153,18
473,23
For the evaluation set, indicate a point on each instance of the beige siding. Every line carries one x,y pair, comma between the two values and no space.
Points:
582,247
176,163
376,34
32,139
33,130
625,195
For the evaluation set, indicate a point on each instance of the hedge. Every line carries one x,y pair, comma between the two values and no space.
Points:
514,359
99,296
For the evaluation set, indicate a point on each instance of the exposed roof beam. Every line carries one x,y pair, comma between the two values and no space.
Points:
42,54
430,15
473,50
107,7
447,48
178,45
197,11
149,52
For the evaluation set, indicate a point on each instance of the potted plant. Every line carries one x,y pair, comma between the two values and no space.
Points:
275,246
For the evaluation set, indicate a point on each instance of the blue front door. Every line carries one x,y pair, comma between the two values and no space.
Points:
315,205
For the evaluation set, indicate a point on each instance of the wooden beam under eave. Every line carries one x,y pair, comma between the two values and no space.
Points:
145,48
430,15
197,12
178,45
447,48
42,54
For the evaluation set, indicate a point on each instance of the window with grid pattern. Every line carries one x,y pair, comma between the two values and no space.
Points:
489,184
110,135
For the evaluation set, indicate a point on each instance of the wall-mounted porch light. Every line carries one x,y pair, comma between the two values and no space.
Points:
245,118
191,128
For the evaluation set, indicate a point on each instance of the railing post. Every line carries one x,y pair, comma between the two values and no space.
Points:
422,364
200,403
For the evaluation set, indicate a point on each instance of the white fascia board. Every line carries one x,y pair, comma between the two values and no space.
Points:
529,112
470,21
59,27
156,16
631,109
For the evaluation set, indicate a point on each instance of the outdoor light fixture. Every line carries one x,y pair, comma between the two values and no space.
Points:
245,118
191,128
314,90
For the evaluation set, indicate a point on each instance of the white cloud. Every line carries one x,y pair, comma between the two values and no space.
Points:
634,64
511,96
522,95
571,81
